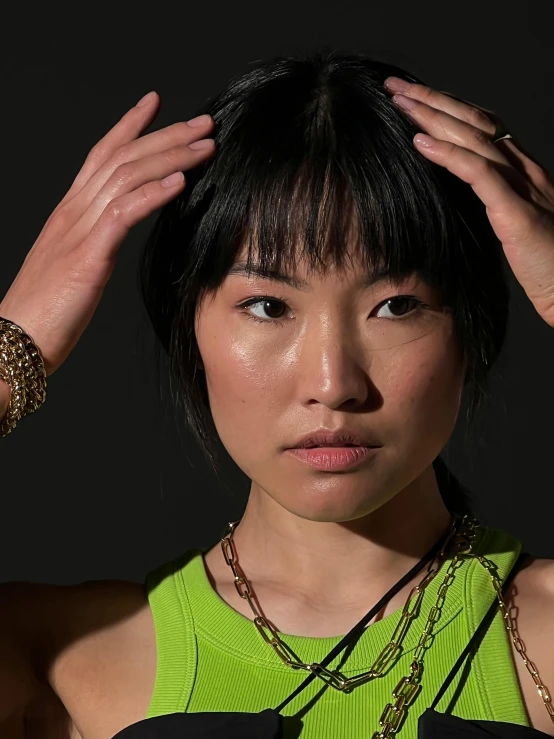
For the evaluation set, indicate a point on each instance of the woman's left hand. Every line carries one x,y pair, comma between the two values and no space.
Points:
518,193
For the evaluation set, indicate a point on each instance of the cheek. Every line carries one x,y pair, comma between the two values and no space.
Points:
423,395
243,381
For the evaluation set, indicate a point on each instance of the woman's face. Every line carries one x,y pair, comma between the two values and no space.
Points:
326,354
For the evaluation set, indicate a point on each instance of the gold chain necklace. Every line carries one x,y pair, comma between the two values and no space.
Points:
462,536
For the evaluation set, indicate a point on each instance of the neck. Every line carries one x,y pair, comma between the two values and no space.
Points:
306,557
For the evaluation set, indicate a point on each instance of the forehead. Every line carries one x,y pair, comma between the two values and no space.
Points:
302,277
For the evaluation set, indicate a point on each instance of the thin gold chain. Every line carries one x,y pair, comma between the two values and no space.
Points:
331,677
462,533
408,687
511,626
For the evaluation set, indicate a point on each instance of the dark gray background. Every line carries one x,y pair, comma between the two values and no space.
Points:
104,481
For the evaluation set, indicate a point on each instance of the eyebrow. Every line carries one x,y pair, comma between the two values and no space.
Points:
240,268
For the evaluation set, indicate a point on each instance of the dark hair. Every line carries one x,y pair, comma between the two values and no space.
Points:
303,144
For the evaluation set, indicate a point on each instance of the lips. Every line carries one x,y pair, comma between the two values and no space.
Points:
326,446
335,438
328,459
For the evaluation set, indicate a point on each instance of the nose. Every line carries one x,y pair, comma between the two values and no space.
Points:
331,367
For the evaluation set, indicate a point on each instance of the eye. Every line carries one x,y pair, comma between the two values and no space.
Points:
270,306
273,309
400,303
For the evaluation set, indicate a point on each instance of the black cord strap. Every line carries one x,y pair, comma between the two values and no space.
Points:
359,627
479,632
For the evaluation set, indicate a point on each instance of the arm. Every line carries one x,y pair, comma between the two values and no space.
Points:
29,707
81,655
5,393
18,681
45,717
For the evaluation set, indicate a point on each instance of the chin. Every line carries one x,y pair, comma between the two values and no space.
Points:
336,505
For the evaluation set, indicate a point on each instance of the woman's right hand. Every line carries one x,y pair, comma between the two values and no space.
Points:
62,278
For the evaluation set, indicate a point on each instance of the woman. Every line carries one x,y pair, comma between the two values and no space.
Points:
323,279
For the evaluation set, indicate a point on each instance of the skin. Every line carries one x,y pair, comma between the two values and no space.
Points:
80,660
302,529
269,385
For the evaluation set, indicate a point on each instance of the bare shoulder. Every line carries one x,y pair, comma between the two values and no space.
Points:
93,649
531,600
534,587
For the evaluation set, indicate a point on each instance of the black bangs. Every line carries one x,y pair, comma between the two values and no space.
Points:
317,166
314,163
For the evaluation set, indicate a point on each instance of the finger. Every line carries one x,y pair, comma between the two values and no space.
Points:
442,125
447,127
129,127
470,113
132,176
523,161
482,174
478,117
514,151
177,134
489,112
122,213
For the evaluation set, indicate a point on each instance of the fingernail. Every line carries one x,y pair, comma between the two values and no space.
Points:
404,102
146,99
202,144
395,83
200,120
173,179
424,140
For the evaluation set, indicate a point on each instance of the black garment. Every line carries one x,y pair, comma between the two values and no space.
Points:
269,723
435,725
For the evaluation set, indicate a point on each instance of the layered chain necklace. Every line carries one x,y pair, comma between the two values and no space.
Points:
459,541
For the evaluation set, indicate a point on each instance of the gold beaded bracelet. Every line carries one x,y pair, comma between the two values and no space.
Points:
22,368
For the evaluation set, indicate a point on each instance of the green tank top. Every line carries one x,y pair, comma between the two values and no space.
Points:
212,658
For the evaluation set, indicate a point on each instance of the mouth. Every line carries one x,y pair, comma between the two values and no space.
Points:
332,458
328,446
335,448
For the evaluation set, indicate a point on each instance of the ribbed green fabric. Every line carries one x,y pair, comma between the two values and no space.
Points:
212,658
